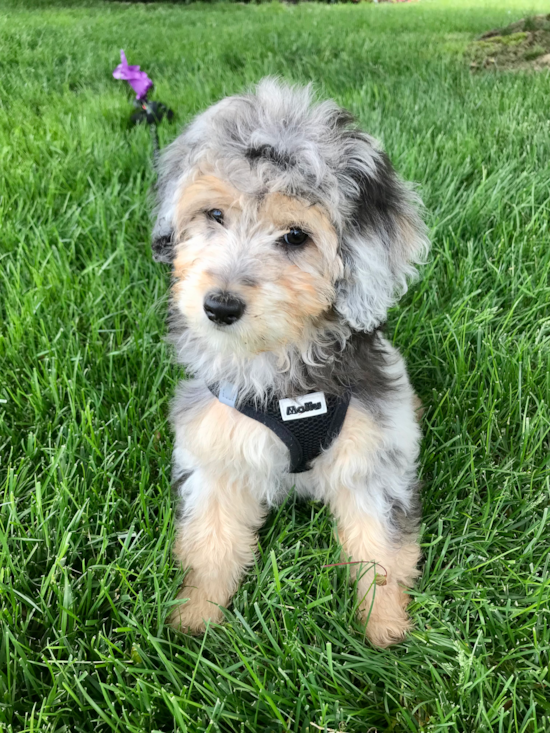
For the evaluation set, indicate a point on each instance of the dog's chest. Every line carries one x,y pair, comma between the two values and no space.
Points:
307,424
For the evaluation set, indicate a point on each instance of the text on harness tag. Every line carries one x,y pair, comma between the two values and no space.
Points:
308,405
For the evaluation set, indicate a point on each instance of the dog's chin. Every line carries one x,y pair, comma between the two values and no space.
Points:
237,340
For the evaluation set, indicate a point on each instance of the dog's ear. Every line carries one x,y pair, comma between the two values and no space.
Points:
163,244
173,166
163,248
383,235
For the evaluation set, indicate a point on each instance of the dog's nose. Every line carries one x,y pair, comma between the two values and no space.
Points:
223,308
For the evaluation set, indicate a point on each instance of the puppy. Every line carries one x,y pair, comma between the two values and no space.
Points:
290,235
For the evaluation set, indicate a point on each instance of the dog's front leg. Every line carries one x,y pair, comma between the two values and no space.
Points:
387,563
216,541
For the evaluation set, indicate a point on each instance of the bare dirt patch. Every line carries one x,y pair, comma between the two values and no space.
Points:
522,45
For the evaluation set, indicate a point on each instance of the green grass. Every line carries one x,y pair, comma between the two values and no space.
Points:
86,514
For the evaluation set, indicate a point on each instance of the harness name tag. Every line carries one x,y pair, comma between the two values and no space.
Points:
228,394
309,405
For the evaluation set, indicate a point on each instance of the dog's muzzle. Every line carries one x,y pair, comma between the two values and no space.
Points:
223,308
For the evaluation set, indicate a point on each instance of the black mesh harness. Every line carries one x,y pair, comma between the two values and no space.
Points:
307,425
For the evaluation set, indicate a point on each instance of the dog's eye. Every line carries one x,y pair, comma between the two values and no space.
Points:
215,215
295,237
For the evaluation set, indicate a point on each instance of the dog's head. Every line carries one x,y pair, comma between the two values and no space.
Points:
280,216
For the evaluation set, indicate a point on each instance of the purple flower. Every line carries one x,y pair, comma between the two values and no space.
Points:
138,80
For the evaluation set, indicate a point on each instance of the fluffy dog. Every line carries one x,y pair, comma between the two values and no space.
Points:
290,236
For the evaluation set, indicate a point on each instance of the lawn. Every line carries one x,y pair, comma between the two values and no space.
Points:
86,513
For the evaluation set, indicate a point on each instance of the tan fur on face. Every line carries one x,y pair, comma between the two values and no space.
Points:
288,292
284,212
206,192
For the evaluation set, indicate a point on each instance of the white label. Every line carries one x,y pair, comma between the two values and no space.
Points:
307,406
228,394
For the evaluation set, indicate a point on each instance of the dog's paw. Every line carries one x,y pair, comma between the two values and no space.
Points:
191,616
383,633
387,621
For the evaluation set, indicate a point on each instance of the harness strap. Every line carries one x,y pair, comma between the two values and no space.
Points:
305,437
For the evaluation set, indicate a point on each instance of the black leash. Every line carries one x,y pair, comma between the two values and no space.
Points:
152,113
